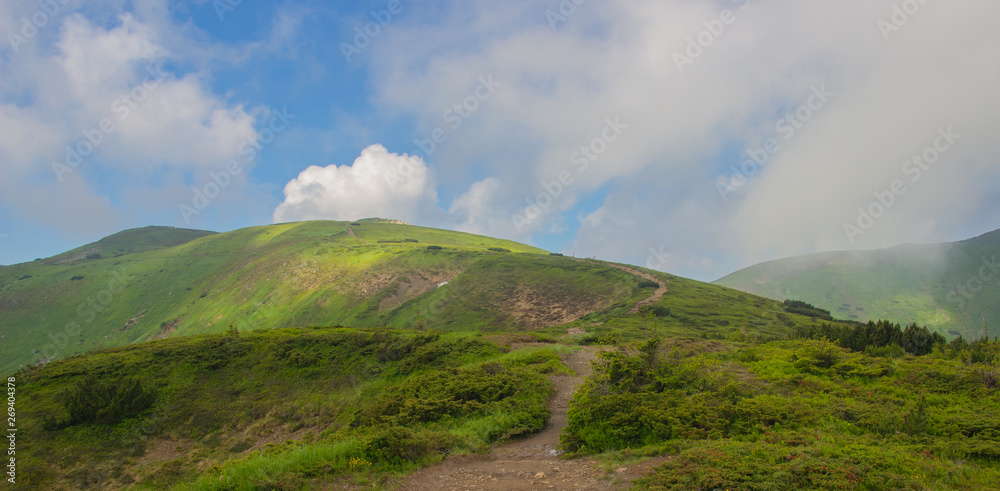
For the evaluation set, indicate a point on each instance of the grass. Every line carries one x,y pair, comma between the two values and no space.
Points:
792,415
243,400
345,402
174,282
167,282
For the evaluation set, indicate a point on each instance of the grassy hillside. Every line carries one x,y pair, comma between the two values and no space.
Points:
208,379
131,242
938,285
318,408
273,409
169,282
153,283
801,414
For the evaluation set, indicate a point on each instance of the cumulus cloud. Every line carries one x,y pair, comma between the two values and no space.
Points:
87,98
377,184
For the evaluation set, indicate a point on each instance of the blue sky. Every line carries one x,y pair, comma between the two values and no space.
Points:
649,112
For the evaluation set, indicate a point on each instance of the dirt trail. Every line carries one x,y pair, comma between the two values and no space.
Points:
659,293
532,462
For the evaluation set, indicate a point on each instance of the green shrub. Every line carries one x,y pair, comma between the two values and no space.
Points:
434,248
660,311
396,445
107,402
818,355
498,249
648,284
802,308
891,351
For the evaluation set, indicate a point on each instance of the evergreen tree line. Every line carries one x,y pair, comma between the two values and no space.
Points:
859,337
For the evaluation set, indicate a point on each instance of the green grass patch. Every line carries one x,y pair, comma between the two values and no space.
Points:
792,415
345,402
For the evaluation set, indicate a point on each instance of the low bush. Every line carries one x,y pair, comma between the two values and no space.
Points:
105,402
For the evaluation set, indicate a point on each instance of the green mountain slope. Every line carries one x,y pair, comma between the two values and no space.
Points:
952,287
132,242
369,273
213,374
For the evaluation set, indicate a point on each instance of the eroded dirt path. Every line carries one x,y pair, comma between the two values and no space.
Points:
657,295
532,462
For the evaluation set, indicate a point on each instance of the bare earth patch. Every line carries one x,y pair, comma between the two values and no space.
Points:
536,308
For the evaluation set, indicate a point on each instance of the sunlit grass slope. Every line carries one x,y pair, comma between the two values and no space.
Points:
160,282
152,283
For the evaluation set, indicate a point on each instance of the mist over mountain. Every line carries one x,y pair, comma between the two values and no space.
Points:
953,288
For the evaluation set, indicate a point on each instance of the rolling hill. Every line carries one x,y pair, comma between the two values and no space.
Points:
159,282
330,355
953,288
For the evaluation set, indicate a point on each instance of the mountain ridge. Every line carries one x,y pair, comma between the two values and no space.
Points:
949,286
365,273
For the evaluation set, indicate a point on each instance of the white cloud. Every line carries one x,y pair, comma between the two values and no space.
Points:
98,84
476,205
615,59
377,184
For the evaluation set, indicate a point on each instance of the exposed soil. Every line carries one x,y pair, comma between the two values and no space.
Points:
532,462
167,329
537,308
416,285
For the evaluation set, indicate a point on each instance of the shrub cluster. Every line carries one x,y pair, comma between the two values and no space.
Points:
103,402
859,337
802,308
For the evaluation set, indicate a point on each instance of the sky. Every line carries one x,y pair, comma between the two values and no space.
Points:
696,137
